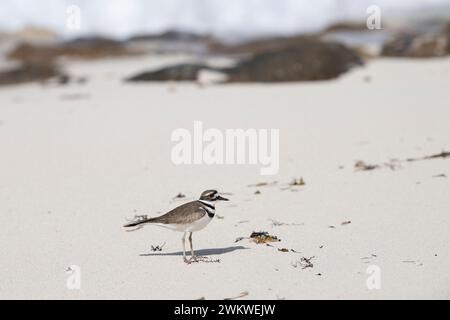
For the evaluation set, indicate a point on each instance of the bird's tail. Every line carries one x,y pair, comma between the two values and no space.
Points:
132,224
139,222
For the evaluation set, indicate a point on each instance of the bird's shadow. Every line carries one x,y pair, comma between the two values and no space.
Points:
201,252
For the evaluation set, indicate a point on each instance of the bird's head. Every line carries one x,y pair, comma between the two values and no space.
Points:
211,195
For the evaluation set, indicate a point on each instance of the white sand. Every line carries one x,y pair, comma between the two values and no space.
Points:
72,170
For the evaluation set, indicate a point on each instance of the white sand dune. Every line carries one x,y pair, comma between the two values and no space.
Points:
76,161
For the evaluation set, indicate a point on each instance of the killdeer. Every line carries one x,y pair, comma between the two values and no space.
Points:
187,218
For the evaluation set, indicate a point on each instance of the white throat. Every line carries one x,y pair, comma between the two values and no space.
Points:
210,203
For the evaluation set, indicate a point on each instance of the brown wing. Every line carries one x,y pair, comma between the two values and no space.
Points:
184,214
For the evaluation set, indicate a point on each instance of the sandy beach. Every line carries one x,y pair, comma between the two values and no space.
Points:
77,161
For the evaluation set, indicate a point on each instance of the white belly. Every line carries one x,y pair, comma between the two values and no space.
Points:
195,226
199,224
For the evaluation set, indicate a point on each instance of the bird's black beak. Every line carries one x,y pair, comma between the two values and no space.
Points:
222,198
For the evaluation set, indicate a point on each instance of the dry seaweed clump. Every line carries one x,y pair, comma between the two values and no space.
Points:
260,237
362,166
263,237
297,182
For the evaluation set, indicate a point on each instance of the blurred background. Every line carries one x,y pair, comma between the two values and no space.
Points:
257,41
233,18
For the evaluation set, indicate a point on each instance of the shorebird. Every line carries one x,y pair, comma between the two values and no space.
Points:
188,218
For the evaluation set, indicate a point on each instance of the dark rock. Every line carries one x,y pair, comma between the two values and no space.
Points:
272,60
181,72
415,45
29,73
81,48
170,35
307,60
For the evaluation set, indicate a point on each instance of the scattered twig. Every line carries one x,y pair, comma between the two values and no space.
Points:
241,295
179,196
443,155
263,184
157,248
276,223
303,263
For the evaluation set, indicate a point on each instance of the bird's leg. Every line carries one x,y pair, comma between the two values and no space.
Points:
184,248
194,257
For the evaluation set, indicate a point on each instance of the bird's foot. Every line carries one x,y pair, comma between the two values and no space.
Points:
196,258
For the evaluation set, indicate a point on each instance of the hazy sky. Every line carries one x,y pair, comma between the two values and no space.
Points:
246,17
